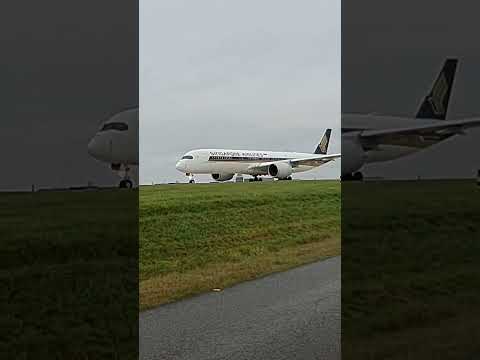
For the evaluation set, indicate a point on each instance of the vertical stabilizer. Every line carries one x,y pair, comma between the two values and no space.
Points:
435,104
323,146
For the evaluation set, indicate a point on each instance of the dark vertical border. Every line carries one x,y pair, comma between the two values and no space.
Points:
410,231
68,256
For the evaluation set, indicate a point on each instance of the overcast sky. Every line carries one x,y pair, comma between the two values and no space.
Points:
260,75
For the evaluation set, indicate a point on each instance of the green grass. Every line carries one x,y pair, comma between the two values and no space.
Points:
410,275
68,275
195,237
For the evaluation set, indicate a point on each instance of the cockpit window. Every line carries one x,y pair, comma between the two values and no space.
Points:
190,157
114,126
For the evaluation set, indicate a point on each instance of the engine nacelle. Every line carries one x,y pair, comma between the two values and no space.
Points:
222,177
353,155
280,170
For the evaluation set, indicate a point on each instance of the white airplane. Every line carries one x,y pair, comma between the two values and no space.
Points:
116,143
223,164
376,138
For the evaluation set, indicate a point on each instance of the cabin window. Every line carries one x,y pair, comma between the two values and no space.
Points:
115,126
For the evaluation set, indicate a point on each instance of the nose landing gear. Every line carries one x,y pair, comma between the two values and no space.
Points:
123,171
191,179
125,184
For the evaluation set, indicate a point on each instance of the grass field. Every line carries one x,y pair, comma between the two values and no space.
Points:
197,237
69,275
410,270
410,255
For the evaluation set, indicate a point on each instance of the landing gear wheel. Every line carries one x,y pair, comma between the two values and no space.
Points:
125,184
191,181
358,176
289,178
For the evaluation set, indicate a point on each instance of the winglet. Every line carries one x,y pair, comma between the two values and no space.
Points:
323,146
435,104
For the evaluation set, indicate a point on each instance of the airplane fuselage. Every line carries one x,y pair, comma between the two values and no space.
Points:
227,161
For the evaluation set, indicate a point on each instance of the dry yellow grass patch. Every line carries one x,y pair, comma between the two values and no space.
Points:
173,286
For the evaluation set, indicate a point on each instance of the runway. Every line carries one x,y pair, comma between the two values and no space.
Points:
289,315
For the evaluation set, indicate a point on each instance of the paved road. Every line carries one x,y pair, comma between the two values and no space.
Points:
290,315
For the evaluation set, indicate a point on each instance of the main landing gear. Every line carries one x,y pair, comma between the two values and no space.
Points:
357,176
255,178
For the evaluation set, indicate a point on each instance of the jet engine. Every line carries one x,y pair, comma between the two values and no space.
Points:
280,170
222,177
353,155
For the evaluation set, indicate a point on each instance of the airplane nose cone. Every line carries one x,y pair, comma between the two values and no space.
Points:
180,166
93,148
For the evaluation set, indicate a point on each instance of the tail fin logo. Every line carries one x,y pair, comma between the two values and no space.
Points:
437,99
323,146
435,104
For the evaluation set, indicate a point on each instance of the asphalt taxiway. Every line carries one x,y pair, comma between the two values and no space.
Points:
289,315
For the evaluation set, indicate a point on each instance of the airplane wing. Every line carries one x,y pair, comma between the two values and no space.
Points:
420,134
314,160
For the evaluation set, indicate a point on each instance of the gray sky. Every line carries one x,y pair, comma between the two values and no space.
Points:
249,74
